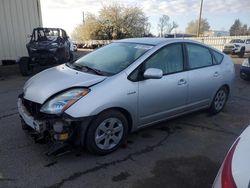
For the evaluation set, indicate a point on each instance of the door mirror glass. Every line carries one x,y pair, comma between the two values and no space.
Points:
153,73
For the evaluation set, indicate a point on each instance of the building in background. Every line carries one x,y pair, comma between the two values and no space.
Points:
17,20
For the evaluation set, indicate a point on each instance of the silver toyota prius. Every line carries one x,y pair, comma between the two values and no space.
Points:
96,101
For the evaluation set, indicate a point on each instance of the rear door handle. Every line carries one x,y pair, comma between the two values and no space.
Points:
182,82
216,74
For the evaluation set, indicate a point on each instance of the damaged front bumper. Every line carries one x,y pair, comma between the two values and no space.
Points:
59,130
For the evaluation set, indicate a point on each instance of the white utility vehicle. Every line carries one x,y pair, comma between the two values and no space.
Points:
238,47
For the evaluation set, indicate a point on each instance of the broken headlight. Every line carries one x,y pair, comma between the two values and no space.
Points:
63,101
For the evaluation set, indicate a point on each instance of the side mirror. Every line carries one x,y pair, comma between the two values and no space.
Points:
28,36
153,73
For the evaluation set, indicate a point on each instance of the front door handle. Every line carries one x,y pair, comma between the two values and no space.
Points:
182,82
216,74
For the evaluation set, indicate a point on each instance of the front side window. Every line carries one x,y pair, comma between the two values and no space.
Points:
113,58
198,56
169,59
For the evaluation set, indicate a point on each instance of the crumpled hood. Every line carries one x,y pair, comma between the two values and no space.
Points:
51,81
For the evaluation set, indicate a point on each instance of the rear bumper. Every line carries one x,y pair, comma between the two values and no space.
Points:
245,73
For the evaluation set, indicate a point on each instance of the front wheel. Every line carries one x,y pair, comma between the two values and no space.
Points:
107,132
219,100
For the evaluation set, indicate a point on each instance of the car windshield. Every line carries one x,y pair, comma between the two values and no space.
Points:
236,41
47,34
113,58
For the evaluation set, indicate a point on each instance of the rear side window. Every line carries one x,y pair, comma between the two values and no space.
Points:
218,57
198,56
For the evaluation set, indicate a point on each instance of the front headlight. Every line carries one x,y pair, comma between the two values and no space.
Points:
63,101
246,63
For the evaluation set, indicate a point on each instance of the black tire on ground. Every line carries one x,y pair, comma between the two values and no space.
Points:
24,66
90,137
241,53
219,100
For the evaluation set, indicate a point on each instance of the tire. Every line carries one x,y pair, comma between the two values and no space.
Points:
24,66
219,100
101,137
241,53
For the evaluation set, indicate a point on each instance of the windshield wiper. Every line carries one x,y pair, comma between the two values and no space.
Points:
87,68
93,70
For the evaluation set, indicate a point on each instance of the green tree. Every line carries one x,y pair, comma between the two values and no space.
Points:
192,26
114,21
238,28
164,25
90,29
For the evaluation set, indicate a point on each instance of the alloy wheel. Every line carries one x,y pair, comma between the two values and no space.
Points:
220,100
109,133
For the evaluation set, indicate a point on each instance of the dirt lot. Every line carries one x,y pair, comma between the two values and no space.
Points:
184,152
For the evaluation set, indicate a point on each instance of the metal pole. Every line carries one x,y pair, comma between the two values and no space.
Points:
83,17
199,23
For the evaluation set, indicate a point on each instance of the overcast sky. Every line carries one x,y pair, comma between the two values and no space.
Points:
220,13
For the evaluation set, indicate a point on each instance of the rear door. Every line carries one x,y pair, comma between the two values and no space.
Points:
204,76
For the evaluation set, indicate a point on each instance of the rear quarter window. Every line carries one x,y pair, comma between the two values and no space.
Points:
218,57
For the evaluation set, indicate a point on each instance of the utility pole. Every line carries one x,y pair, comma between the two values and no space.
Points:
83,17
199,23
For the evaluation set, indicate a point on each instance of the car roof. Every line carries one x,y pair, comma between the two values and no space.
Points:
154,41
148,40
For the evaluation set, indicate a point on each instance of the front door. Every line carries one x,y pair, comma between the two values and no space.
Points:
165,97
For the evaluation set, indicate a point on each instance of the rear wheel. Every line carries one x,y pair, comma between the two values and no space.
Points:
219,100
107,132
24,66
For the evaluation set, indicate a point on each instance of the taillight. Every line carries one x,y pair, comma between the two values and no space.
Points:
227,180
